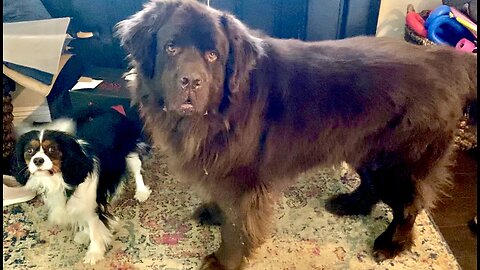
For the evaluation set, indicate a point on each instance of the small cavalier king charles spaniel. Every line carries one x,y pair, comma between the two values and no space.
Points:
78,165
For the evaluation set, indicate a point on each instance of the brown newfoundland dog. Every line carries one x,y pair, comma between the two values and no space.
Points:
240,115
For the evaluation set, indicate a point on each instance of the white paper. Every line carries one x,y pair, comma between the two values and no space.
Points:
35,44
86,83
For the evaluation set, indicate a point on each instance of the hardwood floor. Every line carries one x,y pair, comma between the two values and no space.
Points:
454,212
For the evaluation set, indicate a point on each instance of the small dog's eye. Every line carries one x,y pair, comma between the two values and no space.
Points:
212,56
51,149
30,151
170,48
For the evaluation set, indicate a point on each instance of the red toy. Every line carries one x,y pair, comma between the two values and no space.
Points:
416,23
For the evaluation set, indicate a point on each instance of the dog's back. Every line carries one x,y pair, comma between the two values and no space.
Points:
107,130
112,137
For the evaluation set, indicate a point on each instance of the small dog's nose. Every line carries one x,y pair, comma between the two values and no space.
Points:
38,161
193,81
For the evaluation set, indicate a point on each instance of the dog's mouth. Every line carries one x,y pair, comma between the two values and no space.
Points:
186,108
43,171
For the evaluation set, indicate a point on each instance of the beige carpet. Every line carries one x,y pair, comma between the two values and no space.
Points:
159,233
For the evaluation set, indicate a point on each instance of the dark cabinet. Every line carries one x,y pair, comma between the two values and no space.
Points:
306,19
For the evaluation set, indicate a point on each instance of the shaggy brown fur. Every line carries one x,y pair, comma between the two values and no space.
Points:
241,115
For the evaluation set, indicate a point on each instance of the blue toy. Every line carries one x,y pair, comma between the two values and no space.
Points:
434,14
444,30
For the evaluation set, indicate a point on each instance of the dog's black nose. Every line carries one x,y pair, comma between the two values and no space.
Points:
193,81
38,161
184,81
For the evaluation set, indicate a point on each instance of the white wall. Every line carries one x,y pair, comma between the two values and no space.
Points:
391,18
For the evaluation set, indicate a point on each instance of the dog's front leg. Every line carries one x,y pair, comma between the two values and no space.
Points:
134,165
100,238
245,226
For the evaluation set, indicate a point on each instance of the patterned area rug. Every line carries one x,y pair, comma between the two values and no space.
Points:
160,234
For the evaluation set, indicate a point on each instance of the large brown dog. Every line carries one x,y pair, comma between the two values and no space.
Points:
240,115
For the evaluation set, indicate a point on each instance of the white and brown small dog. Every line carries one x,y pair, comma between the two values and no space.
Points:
78,165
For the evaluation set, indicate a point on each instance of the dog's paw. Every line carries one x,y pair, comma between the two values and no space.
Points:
93,257
211,263
82,238
142,194
385,248
57,218
380,255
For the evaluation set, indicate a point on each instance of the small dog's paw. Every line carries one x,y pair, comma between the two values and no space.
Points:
57,218
211,263
93,257
82,238
142,194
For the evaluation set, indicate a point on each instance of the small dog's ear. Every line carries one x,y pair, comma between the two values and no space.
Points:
20,167
138,34
76,164
244,50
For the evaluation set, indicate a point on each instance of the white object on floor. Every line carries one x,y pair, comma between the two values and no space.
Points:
14,195
86,83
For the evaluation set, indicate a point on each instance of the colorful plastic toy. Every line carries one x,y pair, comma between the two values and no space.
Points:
445,30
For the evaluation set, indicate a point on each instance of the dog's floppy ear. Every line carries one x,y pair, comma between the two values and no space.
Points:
138,34
76,164
244,50
19,166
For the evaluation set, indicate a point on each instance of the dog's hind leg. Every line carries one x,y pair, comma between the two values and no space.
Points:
408,189
358,202
134,164
395,187
398,192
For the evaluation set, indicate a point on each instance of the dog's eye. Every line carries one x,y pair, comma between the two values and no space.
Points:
170,48
30,151
212,56
52,149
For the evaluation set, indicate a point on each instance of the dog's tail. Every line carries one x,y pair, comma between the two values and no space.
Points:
471,96
471,65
